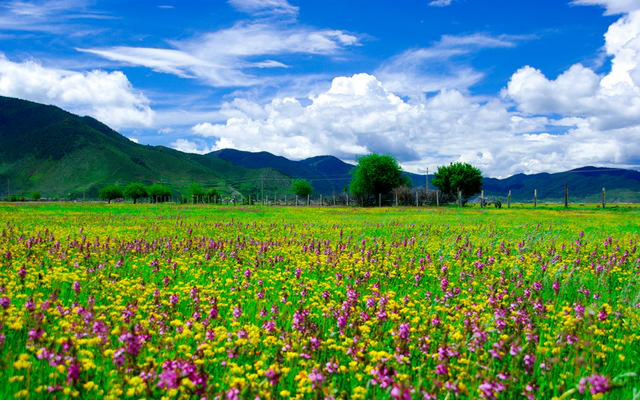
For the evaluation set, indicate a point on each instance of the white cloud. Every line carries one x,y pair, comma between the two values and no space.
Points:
440,3
608,102
265,7
53,16
107,96
438,67
612,6
225,58
187,146
358,114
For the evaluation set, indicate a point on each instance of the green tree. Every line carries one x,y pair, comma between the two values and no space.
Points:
35,196
376,174
110,192
301,187
212,194
135,191
197,192
159,192
458,177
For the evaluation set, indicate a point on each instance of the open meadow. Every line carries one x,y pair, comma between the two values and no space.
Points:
191,301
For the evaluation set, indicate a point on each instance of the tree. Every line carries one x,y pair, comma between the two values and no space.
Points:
110,192
301,187
197,192
159,192
212,194
458,177
135,191
35,196
376,174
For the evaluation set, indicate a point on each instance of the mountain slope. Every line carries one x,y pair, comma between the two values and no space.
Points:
46,149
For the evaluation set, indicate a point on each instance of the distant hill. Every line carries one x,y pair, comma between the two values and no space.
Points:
46,149
328,174
59,154
584,183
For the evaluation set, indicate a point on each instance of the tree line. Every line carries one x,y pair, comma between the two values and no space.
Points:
375,175
155,193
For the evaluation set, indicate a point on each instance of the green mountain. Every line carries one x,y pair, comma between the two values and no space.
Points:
584,184
59,154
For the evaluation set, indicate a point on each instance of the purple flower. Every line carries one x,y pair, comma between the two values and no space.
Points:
598,384
76,287
442,369
272,376
237,311
73,373
316,377
5,302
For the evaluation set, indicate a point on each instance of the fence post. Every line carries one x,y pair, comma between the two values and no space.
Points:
459,198
296,200
482,198
308,200
396,198
347,198
566,195
509,200
535,198
604,198
334,199
321,201
416,197
437,198
379,200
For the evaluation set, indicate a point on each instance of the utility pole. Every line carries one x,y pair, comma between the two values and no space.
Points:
426,181
509,200
604,198
535,198
566,195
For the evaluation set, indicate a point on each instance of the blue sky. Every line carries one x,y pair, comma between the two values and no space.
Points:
512,86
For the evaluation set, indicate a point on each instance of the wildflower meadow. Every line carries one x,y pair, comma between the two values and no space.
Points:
160,301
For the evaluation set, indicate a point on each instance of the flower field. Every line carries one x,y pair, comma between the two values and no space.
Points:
167,301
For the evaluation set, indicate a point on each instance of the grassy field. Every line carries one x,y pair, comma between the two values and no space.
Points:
184,301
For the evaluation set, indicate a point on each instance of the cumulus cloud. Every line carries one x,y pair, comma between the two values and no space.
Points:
358,115
226,57
609,101
107,96
185,145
